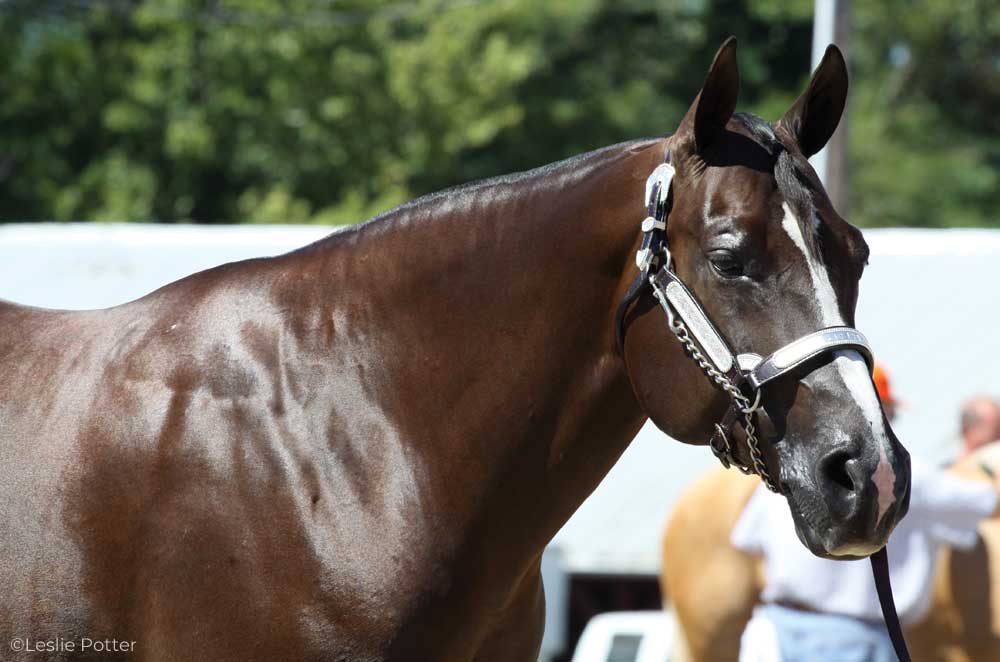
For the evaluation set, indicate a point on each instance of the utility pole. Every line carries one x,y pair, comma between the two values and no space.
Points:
832,24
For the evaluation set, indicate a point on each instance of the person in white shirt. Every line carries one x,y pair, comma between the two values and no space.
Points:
822,610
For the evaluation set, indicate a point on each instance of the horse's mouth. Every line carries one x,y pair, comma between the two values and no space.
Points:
811,519
845,552
827,539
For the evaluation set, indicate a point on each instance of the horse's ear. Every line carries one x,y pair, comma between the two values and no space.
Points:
814,116
715,103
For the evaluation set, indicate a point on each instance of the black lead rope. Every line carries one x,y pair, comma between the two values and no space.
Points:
880,570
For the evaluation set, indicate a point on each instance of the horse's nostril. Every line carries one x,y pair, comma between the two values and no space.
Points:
835,469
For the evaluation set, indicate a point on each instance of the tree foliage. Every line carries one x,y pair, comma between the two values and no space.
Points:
332,110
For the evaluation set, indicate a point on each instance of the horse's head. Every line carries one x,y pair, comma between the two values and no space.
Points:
754,236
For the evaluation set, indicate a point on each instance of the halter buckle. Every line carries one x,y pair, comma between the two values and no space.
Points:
652,223
644,258
719,443
662,174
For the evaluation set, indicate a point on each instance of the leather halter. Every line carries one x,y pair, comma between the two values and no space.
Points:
742,376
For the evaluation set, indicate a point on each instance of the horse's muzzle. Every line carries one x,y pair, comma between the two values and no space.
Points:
851,500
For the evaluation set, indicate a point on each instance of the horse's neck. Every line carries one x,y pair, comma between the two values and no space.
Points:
480,328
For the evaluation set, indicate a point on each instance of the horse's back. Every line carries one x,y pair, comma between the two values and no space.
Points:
701,567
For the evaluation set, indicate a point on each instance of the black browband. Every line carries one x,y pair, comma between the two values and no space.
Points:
742,376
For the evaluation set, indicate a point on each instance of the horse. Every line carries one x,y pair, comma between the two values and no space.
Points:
359,449
711,610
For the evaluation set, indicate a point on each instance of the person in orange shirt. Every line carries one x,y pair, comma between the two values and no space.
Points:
884,389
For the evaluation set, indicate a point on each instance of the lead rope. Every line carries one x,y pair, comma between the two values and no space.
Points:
880,570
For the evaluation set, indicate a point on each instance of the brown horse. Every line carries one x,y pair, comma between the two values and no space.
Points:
358,450
712,609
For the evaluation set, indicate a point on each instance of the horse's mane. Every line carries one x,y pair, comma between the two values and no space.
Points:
476,195
472,193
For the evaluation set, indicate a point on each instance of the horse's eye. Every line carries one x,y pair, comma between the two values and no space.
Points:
725,264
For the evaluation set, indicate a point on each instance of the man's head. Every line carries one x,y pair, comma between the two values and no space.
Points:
980,422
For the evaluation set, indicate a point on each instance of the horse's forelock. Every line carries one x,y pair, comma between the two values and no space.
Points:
789,174
760,131
791,179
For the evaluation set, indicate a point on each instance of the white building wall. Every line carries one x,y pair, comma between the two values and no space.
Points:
929,304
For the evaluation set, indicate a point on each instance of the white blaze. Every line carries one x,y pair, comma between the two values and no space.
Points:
827,298
849,363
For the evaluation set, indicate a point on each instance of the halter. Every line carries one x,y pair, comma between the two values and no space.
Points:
741,376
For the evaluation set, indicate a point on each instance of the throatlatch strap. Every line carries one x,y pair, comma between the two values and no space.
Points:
880,570
633,293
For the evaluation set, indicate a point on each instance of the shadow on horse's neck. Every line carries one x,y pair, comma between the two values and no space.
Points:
481,319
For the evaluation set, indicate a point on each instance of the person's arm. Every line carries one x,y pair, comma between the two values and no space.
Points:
950,505
971,469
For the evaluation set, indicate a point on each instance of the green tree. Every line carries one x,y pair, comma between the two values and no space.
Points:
330,111
925,137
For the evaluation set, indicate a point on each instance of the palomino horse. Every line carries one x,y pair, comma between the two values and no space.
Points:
358,450
713,608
